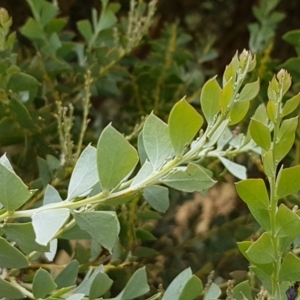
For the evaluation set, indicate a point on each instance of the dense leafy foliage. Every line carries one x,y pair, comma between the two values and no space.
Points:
96,201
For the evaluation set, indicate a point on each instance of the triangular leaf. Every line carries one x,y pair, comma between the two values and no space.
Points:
177,286
10,257
43,284
67,277
156,141
238,112
136,286
116,158
51,195
260,133
213,292
242,290
103,226
100,285
23,234
158,197
235,169
9,291
290,268
145,171
14,193
249,91
210,99
77,296
189,179
192,289
52,250
286,138
44,226
290,105
6,163
261,251
85,286
287,222
288,181
85,174
263,277
253,192
184,123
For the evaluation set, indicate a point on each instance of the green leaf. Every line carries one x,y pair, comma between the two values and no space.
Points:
189,179
158,197
103,226
136,286
290,105
48,12
22,114
253,192
192,289
211,140
32,30
77,296
288,182
43,284
292,37
141,148
10,257
210,99
261,215
44,227
67,277
230,71
144,235
235,169
51,195
271,111
261,251
242,290
260,114
145,171
249,91
226,97
116,158
290,268
287,222
5,162
184,123
177,286
263,277
107,20
156,141
269,168
85,175
14,193
75,233
260,133
23,234
85,28
286,138
20,82
85,286
82,254
95,250
9,291
213,292
238,112
100,285
52,250
60,292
